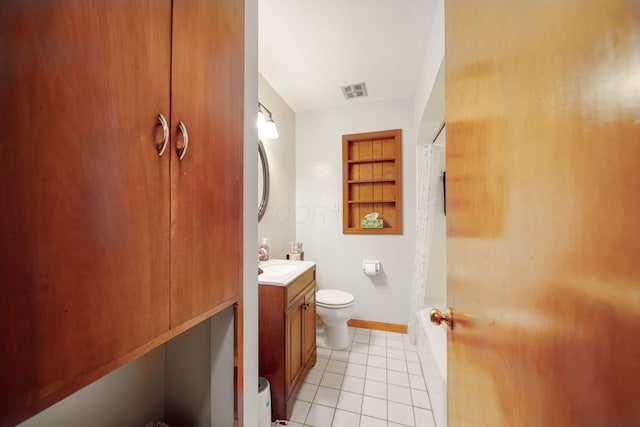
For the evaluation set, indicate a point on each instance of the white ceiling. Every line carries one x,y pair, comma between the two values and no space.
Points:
309,49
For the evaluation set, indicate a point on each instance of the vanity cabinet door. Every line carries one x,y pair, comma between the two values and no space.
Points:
301,333
84,252
206,185
295,324
309,326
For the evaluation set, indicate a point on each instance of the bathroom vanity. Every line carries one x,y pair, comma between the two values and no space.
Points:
287,329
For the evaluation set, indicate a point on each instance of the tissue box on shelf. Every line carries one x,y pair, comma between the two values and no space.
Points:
371,220
372,223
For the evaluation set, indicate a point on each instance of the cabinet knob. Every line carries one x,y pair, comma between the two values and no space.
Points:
305,306
185,136
160,147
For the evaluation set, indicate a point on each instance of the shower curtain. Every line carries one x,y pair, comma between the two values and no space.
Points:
428,169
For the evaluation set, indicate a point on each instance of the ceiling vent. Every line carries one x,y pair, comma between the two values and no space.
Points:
357,90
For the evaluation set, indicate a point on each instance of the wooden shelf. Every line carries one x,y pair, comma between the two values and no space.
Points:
369,160
372,180
373,202
359,230
369,181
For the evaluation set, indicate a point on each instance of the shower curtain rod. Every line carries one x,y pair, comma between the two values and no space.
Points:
439,132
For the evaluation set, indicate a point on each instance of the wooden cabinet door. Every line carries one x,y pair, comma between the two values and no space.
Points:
206,185
543,186
294,323
309,325
84,224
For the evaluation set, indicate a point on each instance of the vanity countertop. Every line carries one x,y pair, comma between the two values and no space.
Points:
281,272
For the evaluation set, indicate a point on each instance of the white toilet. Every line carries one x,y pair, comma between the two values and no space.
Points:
334,308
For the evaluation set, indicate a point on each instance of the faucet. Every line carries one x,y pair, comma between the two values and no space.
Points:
263,255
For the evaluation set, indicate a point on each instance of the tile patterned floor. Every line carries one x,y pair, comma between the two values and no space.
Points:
376,382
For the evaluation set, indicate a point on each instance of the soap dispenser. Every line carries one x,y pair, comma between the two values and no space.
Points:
263,252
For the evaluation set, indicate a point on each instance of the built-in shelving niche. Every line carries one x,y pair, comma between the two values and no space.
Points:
372,180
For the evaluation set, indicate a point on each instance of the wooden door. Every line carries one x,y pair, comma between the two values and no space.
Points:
84,223
206,185
543,208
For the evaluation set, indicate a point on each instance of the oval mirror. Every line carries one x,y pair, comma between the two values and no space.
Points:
263,181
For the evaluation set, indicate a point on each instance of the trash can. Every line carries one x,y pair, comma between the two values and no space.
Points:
264,402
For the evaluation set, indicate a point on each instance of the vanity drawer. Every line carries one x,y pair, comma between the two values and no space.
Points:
300,284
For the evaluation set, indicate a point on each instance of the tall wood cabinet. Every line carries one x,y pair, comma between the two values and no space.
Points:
106,245
287,339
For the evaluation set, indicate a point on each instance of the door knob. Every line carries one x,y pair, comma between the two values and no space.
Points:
437,317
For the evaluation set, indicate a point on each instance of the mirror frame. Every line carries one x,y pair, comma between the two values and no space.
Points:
262,207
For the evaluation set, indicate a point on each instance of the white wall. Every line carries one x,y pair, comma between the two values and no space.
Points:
279,223
429,116
383,298
187,368
436,292
199,377
222,370
250,223
429,100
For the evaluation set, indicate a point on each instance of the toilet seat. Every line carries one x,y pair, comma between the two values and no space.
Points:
333,298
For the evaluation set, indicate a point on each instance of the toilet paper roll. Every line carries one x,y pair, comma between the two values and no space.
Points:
370,269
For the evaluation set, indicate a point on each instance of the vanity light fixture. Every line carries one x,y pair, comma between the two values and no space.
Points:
266,126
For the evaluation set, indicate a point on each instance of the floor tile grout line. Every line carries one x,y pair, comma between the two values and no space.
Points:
367,367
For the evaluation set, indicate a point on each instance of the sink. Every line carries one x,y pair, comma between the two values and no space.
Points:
282,272
278,269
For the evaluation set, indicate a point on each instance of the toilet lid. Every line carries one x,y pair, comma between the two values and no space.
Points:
333,297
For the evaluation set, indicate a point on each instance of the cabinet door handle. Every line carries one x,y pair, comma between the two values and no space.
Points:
160,147
185,136
305,306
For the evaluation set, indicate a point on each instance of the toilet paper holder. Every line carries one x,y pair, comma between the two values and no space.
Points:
370,267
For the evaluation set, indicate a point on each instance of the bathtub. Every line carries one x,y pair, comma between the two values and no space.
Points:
432,351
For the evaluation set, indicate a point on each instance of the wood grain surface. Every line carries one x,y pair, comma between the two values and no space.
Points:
543,237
